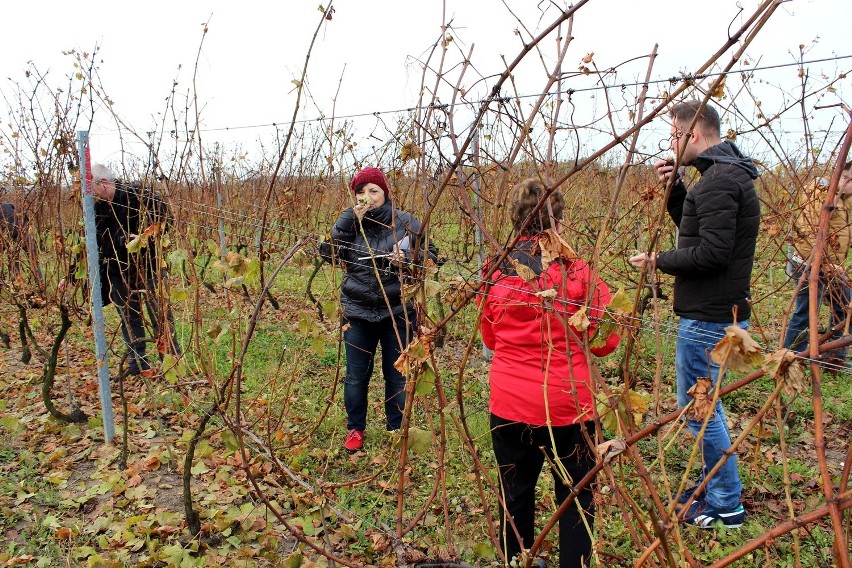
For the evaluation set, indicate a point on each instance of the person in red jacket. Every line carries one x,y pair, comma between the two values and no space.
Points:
541,400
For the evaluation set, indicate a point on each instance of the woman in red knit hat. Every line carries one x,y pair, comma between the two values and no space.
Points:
375,244
541,401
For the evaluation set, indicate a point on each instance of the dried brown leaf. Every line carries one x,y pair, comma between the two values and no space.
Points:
610,449
785,367
409,151
579,321
553,246
719,91
233,259
457,291
152,463
152,230
524,271
418,352
702,399
410,290
740,352
549,294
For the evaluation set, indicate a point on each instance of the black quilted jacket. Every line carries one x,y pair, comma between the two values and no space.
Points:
718,221
367,271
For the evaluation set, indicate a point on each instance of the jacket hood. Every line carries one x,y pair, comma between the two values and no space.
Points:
725,153
523,254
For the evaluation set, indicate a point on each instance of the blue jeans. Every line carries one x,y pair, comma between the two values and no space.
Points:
692,360
361,340
831,290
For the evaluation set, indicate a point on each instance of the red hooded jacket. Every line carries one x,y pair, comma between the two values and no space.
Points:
535,346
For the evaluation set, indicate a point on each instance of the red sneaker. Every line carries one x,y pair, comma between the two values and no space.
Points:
354,441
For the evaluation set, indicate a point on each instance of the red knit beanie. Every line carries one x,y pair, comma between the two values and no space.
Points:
370,175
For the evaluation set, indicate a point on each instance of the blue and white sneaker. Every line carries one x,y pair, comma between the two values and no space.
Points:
705,516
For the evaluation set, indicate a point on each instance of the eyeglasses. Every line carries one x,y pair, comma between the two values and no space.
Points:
665,143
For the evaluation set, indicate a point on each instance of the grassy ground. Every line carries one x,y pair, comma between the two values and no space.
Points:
63,500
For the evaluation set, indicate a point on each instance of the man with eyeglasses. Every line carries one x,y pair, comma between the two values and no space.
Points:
718,221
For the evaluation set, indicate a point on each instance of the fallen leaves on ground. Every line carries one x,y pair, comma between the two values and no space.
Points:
62,482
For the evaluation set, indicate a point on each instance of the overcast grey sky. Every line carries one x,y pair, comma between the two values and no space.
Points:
253,50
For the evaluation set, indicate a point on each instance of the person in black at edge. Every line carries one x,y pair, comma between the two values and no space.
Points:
14,235
122,212
19,246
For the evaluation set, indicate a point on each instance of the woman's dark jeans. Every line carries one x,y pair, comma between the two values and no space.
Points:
361,339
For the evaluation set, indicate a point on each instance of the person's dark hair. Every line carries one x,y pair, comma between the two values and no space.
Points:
708,119
848,166
523,199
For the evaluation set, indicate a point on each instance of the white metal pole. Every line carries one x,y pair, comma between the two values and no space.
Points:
95,283
222,244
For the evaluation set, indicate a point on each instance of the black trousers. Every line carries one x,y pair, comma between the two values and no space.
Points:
520,451
128,295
